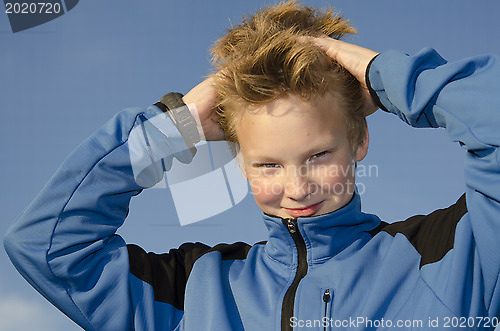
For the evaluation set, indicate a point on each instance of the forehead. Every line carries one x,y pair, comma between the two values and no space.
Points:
318,106
290,123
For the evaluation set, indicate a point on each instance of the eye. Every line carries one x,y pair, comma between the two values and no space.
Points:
319,155
268,165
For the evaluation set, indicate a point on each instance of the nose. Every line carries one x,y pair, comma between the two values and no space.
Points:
297,186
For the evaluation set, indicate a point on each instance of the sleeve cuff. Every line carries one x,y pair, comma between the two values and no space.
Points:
373,94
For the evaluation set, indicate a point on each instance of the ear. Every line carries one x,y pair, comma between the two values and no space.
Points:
362,148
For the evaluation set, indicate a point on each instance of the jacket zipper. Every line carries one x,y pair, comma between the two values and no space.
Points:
289,299
326,299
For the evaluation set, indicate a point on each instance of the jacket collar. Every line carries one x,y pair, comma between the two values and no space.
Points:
325,235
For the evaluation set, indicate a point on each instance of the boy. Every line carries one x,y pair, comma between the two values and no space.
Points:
297,119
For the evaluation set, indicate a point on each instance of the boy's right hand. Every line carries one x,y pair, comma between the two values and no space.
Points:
204,97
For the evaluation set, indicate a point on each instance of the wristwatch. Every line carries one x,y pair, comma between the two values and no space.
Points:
172,104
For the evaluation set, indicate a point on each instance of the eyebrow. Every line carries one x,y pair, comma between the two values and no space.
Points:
258,158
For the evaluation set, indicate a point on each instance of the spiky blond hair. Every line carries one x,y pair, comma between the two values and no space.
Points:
267,57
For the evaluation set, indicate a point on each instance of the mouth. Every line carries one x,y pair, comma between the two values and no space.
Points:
304,212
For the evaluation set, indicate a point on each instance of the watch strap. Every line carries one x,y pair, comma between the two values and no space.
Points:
172,104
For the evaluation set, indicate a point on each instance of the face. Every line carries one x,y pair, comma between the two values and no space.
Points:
297,156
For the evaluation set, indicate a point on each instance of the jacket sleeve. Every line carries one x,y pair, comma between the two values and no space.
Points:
464,98
64,243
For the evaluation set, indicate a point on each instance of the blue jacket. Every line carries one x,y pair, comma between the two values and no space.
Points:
343,270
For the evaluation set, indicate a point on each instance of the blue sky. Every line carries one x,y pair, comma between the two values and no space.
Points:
62,80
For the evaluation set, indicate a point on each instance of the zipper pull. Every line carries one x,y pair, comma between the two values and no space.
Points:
326,296
290,225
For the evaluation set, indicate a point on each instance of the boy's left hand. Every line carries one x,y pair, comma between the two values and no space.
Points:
352,57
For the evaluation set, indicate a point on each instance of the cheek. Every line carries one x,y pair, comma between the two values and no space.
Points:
336,179
265,191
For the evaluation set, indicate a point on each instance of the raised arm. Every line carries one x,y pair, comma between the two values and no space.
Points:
464,98
64,243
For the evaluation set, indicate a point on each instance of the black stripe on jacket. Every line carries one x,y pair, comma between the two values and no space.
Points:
432,235
168,273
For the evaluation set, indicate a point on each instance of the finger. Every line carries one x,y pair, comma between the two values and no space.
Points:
329,45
